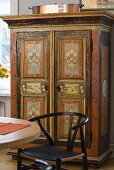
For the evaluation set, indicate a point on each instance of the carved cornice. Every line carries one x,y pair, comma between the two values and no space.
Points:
101,17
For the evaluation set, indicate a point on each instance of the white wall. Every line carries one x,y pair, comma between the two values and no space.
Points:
5,7
25,4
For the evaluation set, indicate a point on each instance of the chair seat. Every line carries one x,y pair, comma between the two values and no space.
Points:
52,153
49,152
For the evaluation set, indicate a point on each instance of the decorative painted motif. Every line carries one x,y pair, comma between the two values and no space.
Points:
75,105
68,106
71,88
103,2
33,107
34,53
81,89
66,123
33,88
104,88
71,58
34,57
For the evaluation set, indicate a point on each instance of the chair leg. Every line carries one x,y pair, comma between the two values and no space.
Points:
83,146
58,163
19,160
53,167
85,162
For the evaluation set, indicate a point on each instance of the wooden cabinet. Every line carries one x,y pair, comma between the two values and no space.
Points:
61,62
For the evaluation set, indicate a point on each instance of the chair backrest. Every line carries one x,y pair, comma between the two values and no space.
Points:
74,120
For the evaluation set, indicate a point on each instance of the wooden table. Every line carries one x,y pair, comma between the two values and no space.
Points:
21,136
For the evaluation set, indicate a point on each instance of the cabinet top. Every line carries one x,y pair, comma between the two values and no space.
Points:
94,17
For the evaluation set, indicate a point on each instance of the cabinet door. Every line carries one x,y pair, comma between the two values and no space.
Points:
72,76
33,72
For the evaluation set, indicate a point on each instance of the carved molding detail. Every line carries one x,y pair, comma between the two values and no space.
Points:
33,88
71,88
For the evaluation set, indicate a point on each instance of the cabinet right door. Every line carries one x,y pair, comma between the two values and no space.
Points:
72,76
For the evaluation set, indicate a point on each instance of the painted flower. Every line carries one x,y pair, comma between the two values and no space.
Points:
4,73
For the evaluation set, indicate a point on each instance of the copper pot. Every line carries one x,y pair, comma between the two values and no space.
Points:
55,8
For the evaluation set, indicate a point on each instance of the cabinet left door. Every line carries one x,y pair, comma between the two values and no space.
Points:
30,77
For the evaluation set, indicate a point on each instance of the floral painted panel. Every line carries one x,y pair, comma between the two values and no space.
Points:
64,127
71,105
33,107
71,66
34,59
68,106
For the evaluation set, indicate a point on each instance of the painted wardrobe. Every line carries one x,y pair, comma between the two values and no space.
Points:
61,62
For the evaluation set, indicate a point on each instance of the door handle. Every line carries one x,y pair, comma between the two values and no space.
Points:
44,88
60,88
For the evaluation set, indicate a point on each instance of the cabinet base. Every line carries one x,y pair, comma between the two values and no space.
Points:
99,160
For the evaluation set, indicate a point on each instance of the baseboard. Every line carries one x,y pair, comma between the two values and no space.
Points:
112,150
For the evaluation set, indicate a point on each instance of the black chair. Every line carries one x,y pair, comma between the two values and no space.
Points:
54,153
36,165
43,164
